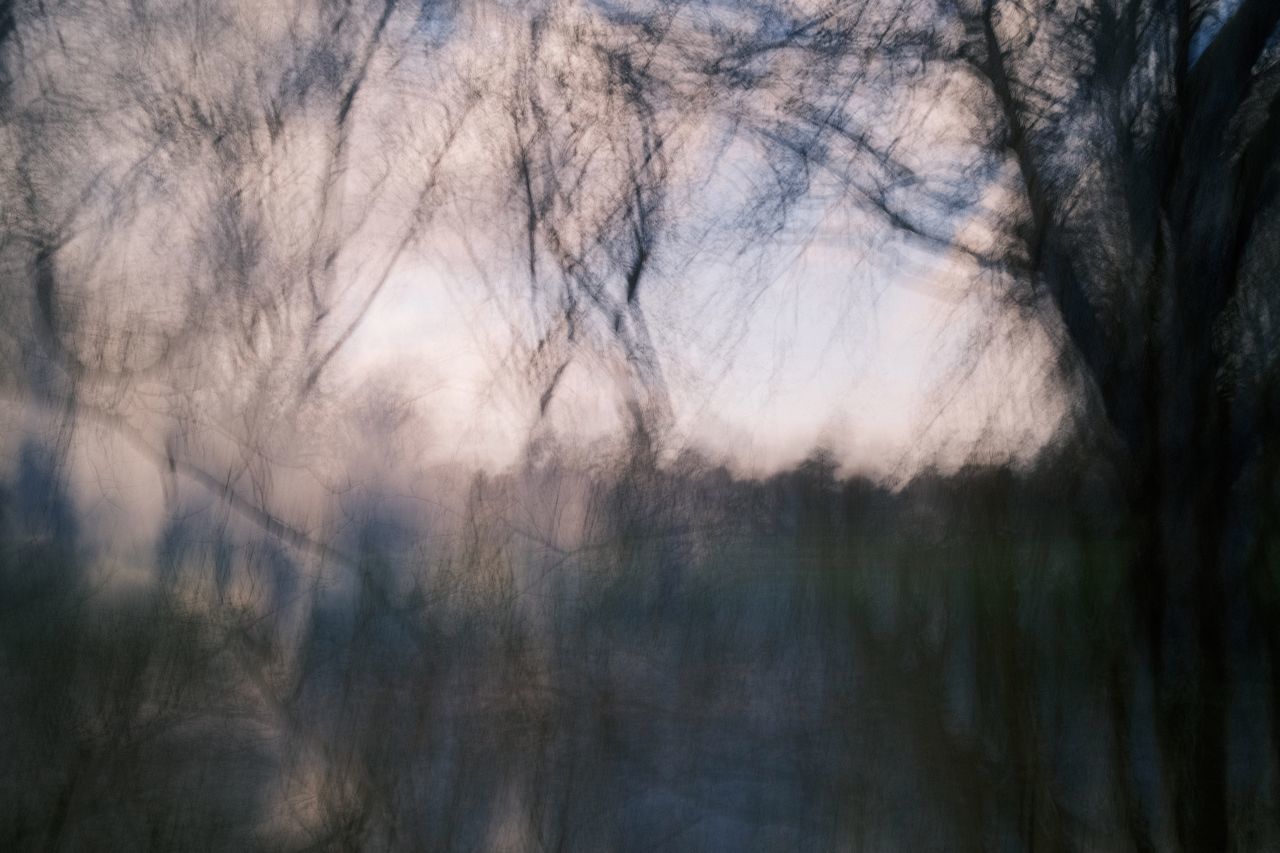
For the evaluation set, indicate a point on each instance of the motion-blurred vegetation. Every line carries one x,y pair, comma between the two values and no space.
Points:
240,610
629,656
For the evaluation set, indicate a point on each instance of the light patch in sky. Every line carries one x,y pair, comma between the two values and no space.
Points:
863,363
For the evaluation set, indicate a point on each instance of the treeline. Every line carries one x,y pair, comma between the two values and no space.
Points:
615,658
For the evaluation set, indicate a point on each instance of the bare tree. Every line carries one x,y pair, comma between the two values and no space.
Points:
1121,160
202,203
184,186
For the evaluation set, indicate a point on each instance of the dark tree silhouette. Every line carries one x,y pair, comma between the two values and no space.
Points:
1120,160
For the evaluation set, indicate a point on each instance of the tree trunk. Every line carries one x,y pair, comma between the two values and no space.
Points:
1182,506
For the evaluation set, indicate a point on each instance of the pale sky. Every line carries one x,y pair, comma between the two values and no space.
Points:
856,355
832,333
841,335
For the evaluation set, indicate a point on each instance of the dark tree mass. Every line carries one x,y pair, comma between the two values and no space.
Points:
249,599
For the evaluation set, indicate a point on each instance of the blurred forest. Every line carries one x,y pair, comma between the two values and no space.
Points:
602,655
240,610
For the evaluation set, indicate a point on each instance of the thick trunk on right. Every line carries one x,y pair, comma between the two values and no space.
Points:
1184,622
1182,504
